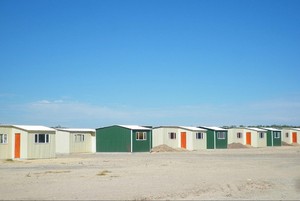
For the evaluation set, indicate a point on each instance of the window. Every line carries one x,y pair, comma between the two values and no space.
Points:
286,134
172,136
261,135
141,135
3,138
276,135
239,135
199,135
79,138
41,138
221,135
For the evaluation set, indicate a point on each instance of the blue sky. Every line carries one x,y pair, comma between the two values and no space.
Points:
167,62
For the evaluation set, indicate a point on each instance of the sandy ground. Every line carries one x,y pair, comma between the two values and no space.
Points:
261,173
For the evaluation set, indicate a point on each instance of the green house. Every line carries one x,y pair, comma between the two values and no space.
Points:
273,137
123,138
217,138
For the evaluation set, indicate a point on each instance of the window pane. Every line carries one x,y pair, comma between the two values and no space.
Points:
36,138
42,138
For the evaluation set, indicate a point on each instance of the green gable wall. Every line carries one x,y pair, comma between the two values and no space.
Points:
113,139
277,141
142,145
271,140
221,143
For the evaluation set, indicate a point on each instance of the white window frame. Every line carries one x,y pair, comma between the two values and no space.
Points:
143,134
199,136
276,135
79,137
239,135
221,135
172,135
37,138
261,135
3,138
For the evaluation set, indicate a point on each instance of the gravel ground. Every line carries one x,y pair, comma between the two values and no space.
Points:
253,173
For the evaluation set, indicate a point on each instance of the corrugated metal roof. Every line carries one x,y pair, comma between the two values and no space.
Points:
192,128
213,128
297,129
271,129
134,127
256,129
33,128
76,129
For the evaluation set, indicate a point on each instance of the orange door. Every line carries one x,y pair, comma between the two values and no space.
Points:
294,137
17,145
183,140
248,138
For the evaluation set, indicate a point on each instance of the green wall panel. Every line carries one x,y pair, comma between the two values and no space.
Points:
276,141
113,139
221,143
142,145
269,138
210,140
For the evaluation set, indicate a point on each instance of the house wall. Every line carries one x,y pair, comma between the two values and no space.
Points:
80,147
6,150
24,142
222,143
41,150
141,145
289,139
232,135
257,141
161,136
210,139
113,139
192,143
271,140
62,142
93,137
276,141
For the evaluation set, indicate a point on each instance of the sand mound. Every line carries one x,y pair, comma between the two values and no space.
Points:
237,146
287,144
165,148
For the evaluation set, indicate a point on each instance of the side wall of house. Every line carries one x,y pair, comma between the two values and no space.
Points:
62,142
6,149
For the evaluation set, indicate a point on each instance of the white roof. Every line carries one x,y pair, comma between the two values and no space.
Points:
135,127
271,129
34,128
297,129
192,128
77,129
213,128
256,129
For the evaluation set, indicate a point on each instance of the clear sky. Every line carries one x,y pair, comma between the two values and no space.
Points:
94,63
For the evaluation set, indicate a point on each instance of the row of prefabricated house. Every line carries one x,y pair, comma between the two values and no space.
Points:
31,142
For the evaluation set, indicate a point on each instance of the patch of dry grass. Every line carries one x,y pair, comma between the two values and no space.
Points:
103,173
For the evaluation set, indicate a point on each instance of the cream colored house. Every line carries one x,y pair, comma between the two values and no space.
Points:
26,142
255,137
75,140
190,138
290,135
